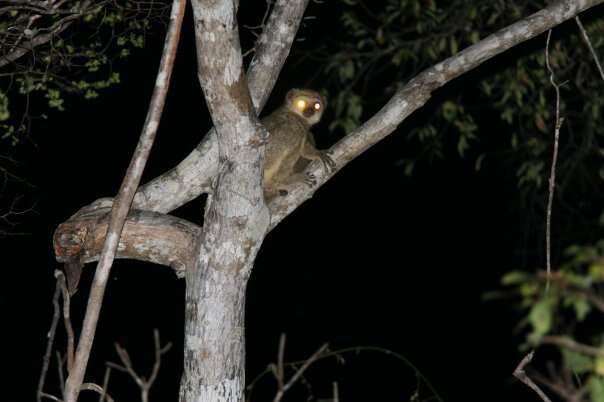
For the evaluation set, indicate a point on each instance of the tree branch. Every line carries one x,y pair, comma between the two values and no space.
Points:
147,236
418,91
192,176
122,203
571,344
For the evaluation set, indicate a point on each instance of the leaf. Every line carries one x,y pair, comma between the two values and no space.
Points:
541,317
453,45
449,109
346,70
596,270
596,389
4,111
577,362
513,278
581,307
599,366
478,163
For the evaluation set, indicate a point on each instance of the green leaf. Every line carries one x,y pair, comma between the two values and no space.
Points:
541,317
346,70
4,111
577,362
596,389
453,45
581,307
513,278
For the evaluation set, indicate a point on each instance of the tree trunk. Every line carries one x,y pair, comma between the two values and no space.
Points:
214,355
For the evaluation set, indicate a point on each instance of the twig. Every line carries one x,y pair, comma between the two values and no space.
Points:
520,374
552,176
49,396
562,388
571,344
590,46
127,367
339,355
89,386
51,337
565,286
60,362
105,384
123,200
335,392
279,369
67,322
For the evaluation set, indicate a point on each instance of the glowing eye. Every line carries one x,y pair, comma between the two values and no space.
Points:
301,104
317,106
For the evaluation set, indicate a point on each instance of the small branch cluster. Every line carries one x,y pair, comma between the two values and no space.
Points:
62,294
143,383
278,369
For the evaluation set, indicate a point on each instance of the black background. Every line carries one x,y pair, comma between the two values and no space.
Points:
374,259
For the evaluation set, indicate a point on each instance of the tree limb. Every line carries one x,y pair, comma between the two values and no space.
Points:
147,236
418,90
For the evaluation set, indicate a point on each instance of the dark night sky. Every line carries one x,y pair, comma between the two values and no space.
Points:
375,258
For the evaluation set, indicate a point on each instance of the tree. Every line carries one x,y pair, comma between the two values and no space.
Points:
217,258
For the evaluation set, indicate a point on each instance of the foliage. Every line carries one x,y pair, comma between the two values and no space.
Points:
74,62
568,316
382,44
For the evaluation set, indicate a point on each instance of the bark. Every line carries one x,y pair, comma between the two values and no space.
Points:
236,218
147,236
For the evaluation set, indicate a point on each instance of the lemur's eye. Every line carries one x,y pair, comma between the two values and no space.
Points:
317,106
301,104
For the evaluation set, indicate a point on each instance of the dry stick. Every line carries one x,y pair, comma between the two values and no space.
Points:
51,337
338,354
590,46
280,369
89,386
335,392
105,384
520,374
49,396
60,373
279,374
573,345
552,176
127,367
122,203
570,395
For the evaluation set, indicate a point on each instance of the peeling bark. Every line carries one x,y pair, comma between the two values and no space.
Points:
147,236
